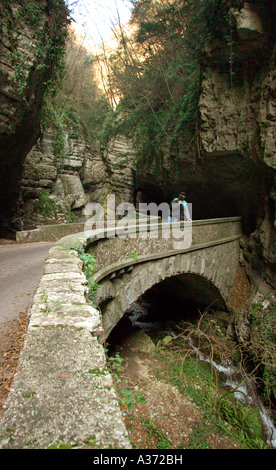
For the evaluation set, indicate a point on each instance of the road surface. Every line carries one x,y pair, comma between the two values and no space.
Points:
21,267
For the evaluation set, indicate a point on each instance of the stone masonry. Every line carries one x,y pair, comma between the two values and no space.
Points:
123,279
62,395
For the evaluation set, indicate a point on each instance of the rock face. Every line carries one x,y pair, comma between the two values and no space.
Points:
234,174
238,115
55,190
32,35
119,158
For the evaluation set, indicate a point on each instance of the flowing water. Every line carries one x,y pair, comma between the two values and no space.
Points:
242,384
244,390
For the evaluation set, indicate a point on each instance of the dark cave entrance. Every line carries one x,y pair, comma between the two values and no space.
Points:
218,186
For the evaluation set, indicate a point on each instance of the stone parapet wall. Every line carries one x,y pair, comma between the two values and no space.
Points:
62,395
157,239
48,232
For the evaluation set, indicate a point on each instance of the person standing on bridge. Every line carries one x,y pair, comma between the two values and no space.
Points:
179,213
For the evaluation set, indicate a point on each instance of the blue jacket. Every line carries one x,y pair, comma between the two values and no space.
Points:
184,211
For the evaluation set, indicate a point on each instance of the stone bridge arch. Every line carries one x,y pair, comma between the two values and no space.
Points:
196,272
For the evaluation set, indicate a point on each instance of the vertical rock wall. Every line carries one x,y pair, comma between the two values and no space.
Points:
119,158
32,33
238,115
55,190
233,174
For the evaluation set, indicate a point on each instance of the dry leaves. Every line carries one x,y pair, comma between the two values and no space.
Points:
12,339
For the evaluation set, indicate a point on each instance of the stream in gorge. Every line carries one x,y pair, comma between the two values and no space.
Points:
137,318
244,391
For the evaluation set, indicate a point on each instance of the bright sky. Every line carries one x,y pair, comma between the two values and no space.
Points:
98,16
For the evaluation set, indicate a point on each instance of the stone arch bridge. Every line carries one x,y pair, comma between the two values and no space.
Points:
62,395
129,266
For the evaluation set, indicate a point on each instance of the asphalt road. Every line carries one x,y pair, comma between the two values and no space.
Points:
21,267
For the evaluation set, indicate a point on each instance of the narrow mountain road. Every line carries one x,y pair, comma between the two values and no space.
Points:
21,267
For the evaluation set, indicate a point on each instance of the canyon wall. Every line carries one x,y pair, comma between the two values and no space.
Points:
32,34
238,116
227,164
55,190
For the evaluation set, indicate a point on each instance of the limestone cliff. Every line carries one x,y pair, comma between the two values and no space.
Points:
238,115
227,165
31,40
55,190
119,158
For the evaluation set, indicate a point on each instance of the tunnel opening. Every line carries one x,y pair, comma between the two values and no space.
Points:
178,299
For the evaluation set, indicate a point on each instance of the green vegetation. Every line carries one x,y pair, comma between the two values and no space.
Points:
46,205
77,103
48,24
28,395
45,301
162,440
131,397
89,441
127,396
31,12
89,268
224,418
114,365
134,255
223,413
50,209
262,345
155,75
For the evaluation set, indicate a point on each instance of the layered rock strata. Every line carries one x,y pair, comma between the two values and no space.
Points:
57,190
